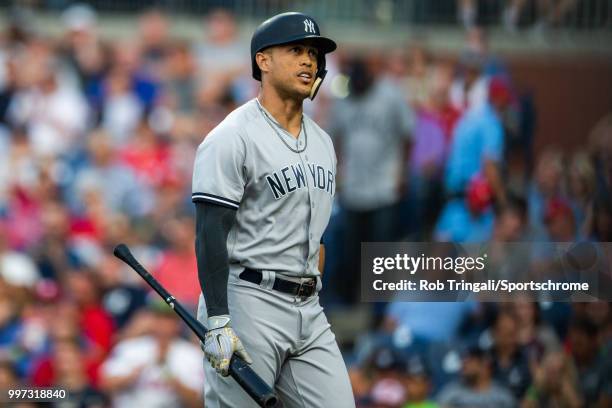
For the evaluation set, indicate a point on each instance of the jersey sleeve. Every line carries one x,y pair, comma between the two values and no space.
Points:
219,174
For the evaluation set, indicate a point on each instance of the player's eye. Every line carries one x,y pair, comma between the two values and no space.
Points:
295,50
314,53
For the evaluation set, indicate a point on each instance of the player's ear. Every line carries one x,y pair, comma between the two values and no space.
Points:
263,60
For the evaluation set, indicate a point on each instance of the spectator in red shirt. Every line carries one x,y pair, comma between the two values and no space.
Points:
177,269
63,328
70,366
147,156
95,323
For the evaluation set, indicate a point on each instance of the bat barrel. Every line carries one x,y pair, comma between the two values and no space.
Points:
256,387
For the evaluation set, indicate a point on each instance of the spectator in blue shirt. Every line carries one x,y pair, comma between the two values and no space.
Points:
478,142
429,321
470,219
476,152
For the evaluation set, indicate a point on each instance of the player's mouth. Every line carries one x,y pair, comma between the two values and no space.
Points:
306,77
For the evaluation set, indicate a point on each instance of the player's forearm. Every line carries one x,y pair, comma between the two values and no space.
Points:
213,223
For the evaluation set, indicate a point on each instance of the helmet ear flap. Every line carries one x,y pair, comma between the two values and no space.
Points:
317,83
321,72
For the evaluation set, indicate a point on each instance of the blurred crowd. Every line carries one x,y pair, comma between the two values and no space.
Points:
97,141
546,14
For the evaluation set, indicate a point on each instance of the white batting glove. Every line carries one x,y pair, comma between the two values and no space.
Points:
221,342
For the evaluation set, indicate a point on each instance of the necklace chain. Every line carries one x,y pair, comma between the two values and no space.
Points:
274,125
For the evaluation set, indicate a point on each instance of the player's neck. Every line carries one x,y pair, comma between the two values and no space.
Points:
286,111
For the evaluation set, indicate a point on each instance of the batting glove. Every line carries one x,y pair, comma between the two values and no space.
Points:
221,342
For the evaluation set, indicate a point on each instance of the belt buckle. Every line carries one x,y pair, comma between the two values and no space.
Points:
304,286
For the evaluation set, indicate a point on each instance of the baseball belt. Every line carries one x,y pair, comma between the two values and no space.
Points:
304,289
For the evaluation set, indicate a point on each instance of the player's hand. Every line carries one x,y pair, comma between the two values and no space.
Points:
221,342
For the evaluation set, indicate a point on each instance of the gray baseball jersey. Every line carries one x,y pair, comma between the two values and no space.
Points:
281,187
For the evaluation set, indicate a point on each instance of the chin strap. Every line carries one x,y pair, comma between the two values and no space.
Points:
317,84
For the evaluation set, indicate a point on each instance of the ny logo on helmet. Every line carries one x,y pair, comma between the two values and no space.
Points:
309,26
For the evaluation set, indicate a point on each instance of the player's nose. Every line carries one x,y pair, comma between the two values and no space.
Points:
306,62
306,59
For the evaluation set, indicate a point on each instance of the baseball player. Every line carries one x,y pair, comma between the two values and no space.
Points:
263,186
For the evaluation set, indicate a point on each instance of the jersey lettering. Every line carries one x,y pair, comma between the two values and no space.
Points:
292,178
298,172
320,177
330,182
287,180
277,188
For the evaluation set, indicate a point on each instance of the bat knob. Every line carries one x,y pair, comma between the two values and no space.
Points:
121,251
273,402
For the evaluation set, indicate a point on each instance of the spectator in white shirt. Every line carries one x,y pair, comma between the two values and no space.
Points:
54,113
156,370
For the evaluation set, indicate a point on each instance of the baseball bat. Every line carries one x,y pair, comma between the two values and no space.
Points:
238,369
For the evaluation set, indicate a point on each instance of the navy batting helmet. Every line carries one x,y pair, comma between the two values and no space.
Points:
287,28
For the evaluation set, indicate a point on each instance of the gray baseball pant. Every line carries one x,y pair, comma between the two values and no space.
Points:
291,344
